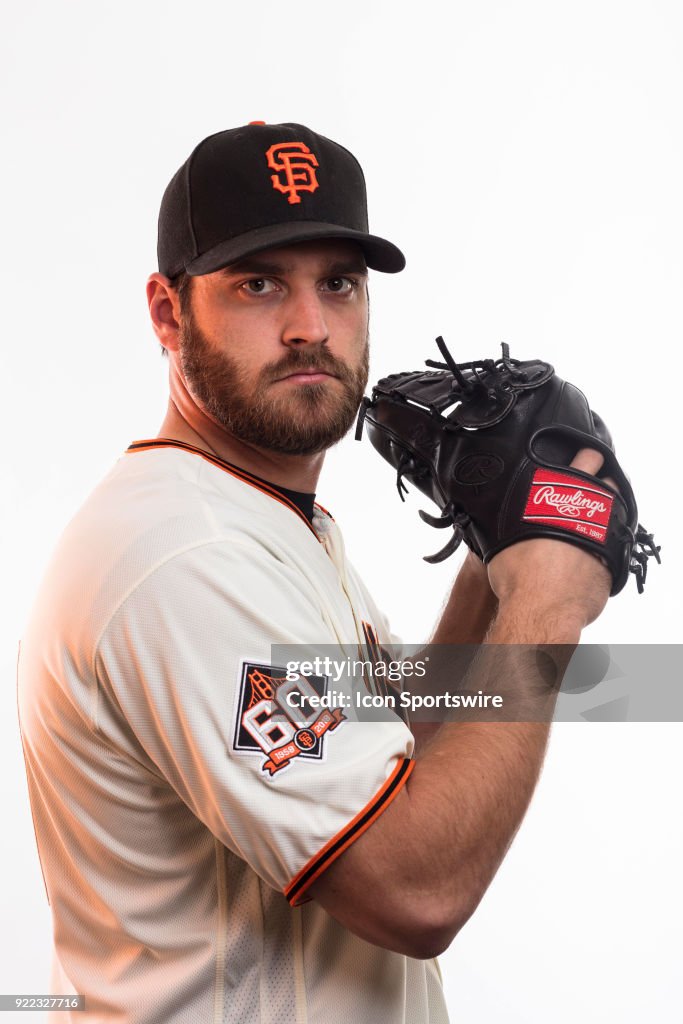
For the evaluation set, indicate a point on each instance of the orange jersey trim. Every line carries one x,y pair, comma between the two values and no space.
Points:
296,889
241,474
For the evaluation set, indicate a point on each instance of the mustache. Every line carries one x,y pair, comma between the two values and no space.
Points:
306,359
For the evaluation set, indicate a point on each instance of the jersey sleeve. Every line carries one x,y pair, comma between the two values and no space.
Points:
186,661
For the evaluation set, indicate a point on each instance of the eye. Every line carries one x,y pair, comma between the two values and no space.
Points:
341,285
258,286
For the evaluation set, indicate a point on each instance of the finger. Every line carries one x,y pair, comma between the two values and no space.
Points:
588,461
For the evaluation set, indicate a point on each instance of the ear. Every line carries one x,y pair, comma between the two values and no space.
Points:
164,309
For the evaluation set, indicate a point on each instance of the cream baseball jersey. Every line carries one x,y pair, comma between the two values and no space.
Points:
179,821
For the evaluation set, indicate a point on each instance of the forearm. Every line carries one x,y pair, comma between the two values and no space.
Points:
470,789
465,619
447,830
471,606
459,811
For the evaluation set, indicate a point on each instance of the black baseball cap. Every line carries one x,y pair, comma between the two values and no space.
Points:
260,186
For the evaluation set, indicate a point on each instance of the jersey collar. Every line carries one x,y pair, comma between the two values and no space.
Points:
248,478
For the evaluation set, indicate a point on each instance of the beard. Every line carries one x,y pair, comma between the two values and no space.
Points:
299,420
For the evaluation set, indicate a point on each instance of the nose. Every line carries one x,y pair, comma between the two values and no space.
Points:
305,320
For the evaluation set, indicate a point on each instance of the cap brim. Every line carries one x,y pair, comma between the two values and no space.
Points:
379,254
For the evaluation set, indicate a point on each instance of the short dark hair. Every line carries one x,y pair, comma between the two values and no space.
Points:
182,284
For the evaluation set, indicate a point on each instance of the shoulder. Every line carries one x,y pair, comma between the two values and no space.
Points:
157,508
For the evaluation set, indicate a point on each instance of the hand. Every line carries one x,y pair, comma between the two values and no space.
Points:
553,578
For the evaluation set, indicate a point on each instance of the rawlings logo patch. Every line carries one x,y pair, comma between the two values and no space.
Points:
570,503
282,718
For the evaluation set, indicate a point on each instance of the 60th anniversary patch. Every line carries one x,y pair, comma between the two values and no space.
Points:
274,716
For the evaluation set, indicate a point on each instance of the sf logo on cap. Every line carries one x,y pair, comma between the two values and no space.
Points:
294,164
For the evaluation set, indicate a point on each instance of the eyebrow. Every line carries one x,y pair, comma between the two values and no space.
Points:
254,265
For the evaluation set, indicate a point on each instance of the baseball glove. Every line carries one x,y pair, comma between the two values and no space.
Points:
490,442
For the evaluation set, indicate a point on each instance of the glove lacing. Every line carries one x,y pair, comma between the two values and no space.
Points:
490,367
643,548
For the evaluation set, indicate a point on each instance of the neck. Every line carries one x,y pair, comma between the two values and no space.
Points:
297,472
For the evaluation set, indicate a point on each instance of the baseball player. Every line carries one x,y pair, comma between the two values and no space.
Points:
210,854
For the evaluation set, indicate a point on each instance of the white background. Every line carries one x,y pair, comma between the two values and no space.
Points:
527,156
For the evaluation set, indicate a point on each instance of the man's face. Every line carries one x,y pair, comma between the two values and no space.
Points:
275,348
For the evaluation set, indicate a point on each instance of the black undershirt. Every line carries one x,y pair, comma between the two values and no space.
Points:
303,501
